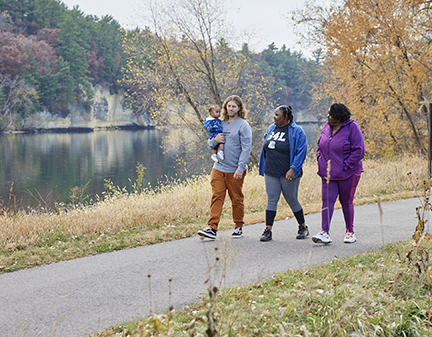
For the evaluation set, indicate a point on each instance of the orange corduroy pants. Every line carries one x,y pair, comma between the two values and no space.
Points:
220,183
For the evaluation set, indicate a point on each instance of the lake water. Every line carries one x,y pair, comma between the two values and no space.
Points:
45,167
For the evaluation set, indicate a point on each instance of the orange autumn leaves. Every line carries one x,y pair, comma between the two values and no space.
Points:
377,62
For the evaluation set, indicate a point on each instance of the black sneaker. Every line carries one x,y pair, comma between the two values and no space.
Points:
238,233
208,233
266,235
302,233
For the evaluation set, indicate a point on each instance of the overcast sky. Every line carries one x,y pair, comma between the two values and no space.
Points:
265,18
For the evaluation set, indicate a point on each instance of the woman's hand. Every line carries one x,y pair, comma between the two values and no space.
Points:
289,175
220,138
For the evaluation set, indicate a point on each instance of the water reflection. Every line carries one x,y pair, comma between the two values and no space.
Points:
51,164
55,163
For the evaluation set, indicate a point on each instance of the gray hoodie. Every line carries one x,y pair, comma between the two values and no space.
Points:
237,148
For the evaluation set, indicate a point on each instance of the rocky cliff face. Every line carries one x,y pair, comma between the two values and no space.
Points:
107,112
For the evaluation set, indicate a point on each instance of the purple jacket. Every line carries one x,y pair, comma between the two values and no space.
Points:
345,150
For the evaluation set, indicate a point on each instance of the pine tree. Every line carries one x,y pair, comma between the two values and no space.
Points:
31,75
75,54
65,92
108,39
49,13
48,86
291,72
2,98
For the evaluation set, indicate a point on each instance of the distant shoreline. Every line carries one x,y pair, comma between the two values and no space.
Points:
79,129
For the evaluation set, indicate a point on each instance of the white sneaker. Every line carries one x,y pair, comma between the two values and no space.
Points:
214,157
220,155
322,237
208,233
238,233
350,237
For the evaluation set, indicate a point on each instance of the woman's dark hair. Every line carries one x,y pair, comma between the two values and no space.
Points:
340,112
287,112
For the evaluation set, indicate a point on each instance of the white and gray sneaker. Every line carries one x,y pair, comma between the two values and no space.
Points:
208,233
238,233
350,237
322,237
214,157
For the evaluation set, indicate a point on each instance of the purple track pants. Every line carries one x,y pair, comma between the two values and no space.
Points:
345,189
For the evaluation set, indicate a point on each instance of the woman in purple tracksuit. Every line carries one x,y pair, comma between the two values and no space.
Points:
340,152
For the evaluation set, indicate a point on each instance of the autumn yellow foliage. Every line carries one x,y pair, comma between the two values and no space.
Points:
184,64
377,57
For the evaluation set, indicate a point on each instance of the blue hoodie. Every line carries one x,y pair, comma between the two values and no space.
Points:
298,148
345,151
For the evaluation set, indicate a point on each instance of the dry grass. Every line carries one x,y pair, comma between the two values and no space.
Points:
178,210
394,179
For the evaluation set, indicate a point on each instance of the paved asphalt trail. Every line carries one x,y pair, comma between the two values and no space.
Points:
82,296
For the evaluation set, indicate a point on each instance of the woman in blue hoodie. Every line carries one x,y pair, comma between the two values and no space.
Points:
281,162
340,152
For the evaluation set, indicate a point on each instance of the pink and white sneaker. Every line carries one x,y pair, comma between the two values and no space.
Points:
322,237
350,237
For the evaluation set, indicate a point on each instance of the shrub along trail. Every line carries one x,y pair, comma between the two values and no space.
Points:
82,296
